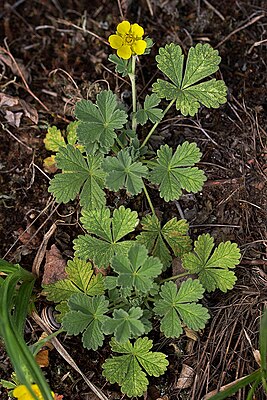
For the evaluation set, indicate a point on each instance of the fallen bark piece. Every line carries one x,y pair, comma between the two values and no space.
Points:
186,377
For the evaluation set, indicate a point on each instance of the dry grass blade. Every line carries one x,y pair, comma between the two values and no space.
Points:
41,251
61,350
223,355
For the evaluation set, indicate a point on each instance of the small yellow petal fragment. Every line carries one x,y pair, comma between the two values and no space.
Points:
115,41
137,30
139,47
22,393
124,27
124,52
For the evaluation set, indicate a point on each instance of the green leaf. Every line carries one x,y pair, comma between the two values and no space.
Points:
122,66
123,172
149,44
81,278
174,172
211,94
174,232
60,290
176,235
72,132
170,61
137,270
99,121
125,325
54,139
62,308
130,369
150,110
110,282
101,249
80,175
213,270
202,61
177,306
7,384
87,316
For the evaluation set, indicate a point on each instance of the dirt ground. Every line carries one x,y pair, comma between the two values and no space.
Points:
54,52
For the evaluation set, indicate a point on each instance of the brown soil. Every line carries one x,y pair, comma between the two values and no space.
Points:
61,61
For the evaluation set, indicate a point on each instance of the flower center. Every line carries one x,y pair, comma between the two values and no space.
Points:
129,39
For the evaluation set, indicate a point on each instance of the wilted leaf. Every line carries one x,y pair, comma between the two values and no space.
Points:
55,265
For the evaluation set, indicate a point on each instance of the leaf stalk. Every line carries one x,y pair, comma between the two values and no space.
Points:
149,200
173,278
132,79
150,133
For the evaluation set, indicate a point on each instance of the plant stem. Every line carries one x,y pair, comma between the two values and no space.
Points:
172,278
149,200
119,142
150,299
132,79
150,133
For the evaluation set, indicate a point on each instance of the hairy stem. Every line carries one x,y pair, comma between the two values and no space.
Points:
150,133
149,200
173,278
132,79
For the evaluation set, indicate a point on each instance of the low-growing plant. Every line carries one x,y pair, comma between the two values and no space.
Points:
112,155
108,152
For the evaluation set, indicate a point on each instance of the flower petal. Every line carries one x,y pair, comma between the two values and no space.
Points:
139,47
137,30
124,27
20,391
115,41
124,52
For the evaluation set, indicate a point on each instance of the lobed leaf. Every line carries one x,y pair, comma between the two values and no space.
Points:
97,122
170,61
86,315
80,175
137,270
54,139
72,132
109,230
174,233
125,325
177,306
124,173
122,66
150,110
202,61
127,370
213,269
174,172
81,278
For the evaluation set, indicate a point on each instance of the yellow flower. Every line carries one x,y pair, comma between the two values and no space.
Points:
128,40
22,393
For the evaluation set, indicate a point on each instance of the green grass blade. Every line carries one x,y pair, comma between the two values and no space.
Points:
20,355
22,305
238,385
7,268
253,389
263,343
